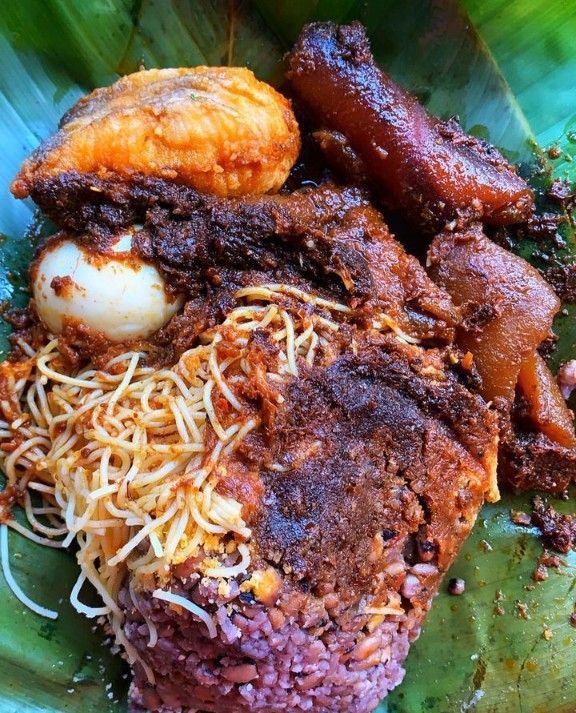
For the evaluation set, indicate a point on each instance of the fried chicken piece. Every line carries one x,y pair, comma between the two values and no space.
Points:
218,129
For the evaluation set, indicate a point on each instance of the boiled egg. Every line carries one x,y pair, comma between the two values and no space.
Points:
117,294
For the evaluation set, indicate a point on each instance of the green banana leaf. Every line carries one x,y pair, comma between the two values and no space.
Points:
506,68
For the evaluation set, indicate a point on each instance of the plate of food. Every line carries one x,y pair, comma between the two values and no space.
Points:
288,350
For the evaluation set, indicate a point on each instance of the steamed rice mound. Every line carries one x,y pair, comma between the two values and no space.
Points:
307,653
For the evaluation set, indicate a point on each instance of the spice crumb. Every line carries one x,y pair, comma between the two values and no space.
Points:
549,560
540,573
554,152
456,586
519,517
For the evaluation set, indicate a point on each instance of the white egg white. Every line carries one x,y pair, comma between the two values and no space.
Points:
122,297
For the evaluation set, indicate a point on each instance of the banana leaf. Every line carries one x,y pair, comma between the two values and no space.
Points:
506,68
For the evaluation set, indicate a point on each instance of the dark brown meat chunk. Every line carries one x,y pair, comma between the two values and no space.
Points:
340,155
329,239
390,448
430,170
558,530
529,460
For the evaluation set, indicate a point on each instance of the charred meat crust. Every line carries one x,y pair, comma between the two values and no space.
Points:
371,443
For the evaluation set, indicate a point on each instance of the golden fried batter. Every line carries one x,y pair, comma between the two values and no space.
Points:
217,129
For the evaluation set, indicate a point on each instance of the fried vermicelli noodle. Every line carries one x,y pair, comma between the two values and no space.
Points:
127,459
